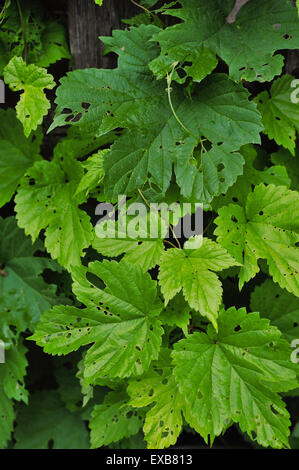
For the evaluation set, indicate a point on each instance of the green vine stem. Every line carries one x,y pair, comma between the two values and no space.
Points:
143,8
172,231
23,29
169,90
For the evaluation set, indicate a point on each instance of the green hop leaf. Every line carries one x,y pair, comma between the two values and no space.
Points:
47,200
114,420
155,141
279,113
235,376
33,80
251,177
176,313
275,27
283,157
121,320
24,295
265,228
163,421
51,424
17,154
40,36
12,387
94,173
54,43
281,307
191,270
140,251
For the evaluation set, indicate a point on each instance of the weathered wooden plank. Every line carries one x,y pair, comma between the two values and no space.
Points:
87,22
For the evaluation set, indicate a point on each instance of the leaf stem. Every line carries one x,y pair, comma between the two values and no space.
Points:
2,12
167,241
144,198
169,89
209,224
23,30
143,8
172,231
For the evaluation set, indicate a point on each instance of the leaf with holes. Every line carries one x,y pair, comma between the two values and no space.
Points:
251,177
39,36
78,144
176,313
284,158
145,254
113,420
201,172
54,43
51,426
33,80
265,227
196,64
24,295
111,95
47,200
113,240
280,113
12,374
235,376
128,97
17,154
7,419
281,307
164,420
121,320
247,45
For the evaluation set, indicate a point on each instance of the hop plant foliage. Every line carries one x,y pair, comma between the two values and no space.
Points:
38,36
146,339
33,80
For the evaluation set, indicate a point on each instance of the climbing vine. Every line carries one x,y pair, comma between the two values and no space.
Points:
150,339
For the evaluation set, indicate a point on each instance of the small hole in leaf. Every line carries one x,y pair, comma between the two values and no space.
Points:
77,117
274,410
51,444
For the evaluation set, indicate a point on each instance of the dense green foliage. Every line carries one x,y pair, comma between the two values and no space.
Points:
150,338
